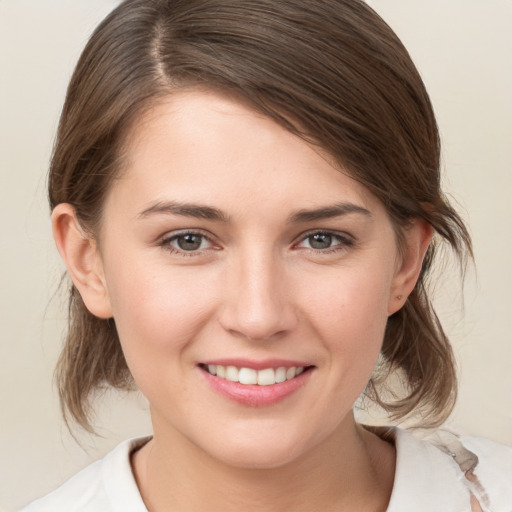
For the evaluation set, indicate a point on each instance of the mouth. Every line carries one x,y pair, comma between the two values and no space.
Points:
256,383
250,376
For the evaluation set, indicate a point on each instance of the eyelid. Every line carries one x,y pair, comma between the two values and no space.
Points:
346,240
165,241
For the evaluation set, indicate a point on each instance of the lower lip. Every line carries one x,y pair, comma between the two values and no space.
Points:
254,395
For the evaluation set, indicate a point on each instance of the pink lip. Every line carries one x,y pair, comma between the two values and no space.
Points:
257,365
254,395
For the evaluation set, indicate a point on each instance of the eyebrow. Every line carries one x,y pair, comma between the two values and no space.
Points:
186,210
209,213
328,212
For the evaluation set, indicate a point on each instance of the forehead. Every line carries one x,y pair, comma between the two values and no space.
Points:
202,145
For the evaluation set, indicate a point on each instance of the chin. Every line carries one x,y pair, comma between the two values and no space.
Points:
257,458
266,447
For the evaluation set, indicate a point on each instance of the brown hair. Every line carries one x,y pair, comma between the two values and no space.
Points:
330,71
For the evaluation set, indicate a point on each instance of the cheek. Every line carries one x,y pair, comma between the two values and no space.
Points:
350,315
157,313
355,299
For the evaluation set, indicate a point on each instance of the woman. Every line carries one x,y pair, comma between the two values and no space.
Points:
246,196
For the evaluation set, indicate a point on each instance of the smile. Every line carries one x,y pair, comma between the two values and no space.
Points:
250,376
256,384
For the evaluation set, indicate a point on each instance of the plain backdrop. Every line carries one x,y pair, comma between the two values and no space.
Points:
462,48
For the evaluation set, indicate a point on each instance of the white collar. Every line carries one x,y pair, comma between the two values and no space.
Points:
426,479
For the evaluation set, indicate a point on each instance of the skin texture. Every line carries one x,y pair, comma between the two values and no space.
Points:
256,288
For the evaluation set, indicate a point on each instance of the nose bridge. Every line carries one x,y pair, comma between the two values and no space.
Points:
258,306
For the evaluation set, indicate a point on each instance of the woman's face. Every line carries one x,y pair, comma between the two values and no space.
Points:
231,246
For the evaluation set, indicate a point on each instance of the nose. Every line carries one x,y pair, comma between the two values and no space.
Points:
258,304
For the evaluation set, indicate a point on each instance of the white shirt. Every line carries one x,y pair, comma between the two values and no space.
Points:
427,479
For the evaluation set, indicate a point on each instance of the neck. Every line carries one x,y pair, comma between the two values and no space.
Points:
174,474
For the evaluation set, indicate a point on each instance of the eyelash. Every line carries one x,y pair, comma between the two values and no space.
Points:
344,242
166,242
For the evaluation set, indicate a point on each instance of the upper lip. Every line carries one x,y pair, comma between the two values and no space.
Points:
256,365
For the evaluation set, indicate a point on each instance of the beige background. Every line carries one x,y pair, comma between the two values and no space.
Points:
462,48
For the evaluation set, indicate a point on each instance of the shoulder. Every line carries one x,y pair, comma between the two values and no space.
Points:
107,485
446,472
487,466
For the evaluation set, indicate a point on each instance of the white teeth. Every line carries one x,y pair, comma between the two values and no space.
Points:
290,373
281,374
265,377
248,376
232,373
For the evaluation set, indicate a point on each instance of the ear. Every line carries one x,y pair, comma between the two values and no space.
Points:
83,261
417,237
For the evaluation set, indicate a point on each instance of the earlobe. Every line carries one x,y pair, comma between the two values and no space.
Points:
417,238
82,259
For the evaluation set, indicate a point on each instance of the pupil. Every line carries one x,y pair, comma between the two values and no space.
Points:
189,242
320,241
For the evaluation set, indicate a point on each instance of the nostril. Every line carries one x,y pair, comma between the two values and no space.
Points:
257,326
256,305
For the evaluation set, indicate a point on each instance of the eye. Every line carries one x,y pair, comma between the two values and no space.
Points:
320,240
325,240
188,242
